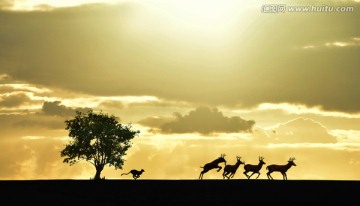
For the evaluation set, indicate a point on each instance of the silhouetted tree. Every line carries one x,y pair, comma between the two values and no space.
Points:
99,139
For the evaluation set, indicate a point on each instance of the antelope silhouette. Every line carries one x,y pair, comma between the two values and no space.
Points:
280,168
254,168
135,173
231,169
212,165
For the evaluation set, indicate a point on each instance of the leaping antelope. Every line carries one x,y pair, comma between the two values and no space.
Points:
231,169
254,168
280,168
213,165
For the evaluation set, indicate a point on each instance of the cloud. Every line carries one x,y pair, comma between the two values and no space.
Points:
155,122
14,100
351,42
6,4
31,5
299,130
26,88
202,120
55,108
303,130
4,78
303,109
112,104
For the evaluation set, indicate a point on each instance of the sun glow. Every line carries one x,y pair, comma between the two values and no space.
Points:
207,16
195,28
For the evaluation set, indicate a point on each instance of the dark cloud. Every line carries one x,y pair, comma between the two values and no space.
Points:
87,50
14,100
155,122
55,108
202,120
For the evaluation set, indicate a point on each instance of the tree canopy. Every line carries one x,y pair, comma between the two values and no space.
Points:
98,139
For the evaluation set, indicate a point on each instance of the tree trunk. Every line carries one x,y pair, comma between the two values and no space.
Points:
98,172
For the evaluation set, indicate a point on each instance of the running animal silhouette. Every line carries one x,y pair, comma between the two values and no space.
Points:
213,165
135,173
231,169
280,168
254,168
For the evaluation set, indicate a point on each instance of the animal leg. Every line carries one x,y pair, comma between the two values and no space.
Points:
224,174
258,175
233,175
284,176
219,168
229,175
201,175
245,173
251,175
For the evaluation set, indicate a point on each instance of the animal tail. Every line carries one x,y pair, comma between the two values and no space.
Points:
125,173
267,167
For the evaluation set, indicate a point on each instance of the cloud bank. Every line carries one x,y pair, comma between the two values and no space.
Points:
299,130
203,120
55,108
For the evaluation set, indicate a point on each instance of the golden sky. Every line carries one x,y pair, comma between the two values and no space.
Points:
198,78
